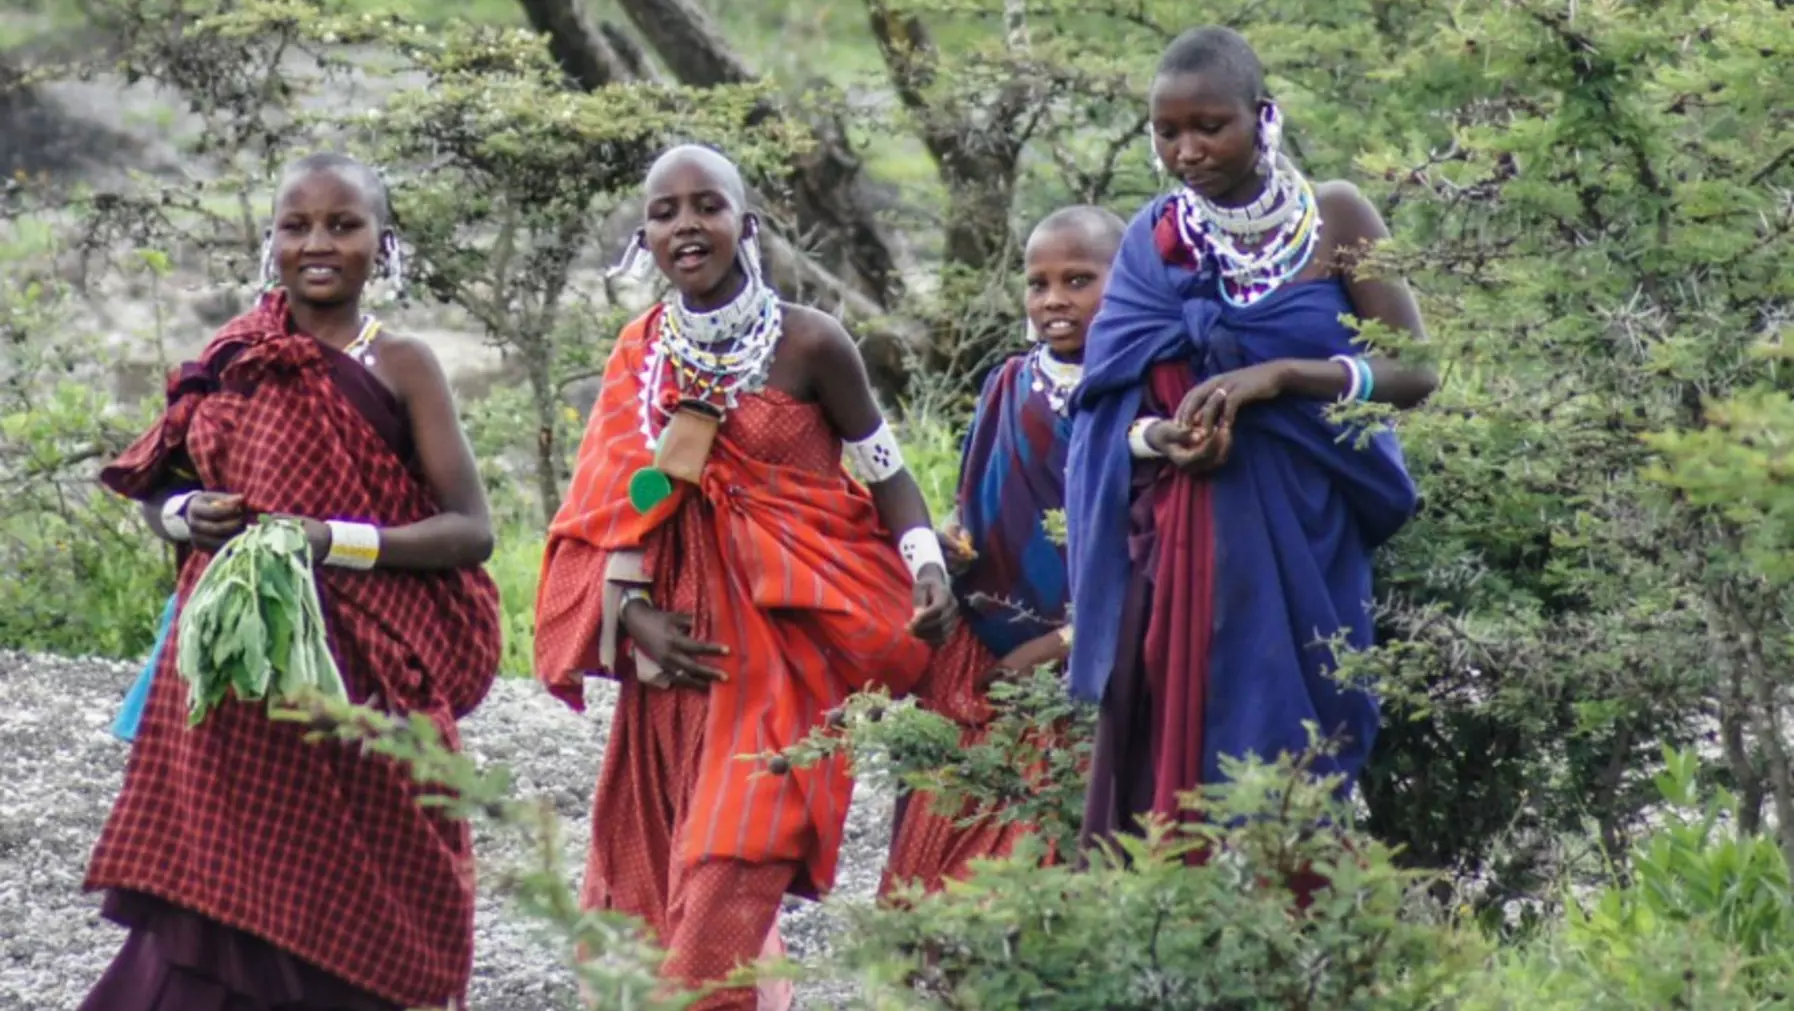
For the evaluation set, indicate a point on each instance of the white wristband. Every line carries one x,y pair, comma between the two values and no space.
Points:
877,457
174,517
920,548
1136,440
353,545
1355,379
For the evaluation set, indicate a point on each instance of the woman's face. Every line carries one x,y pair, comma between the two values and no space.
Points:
1206,135
1065,288
326,238
693,229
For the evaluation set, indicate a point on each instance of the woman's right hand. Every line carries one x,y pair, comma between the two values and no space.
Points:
665,636
1186,450
214,518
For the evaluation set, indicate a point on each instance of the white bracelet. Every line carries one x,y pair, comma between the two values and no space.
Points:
920,548
174,517
876,458
353,545
1356,384
1136,440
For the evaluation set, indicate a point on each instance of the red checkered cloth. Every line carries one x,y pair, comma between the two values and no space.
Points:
314,847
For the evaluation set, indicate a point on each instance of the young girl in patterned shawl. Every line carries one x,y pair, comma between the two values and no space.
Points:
713,557
1221,525
255,869
1012,584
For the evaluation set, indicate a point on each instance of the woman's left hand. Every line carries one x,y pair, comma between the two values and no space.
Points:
317,534
935,607
1209,409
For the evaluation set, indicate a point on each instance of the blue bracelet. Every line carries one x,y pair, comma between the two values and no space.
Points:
1370,380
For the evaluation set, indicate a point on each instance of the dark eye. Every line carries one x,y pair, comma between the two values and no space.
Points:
1081,281
1036,284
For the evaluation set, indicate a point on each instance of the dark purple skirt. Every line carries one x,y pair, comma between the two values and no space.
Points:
178,960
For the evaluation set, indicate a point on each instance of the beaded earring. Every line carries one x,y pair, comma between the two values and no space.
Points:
1152,147
1270,137
635,262
392,263
750,253
268,279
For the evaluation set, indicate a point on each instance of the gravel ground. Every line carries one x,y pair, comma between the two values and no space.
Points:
62,768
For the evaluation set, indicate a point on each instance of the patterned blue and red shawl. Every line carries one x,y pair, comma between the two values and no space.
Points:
1012,472
1262,561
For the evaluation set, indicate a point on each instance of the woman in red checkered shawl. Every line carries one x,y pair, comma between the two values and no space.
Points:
257,870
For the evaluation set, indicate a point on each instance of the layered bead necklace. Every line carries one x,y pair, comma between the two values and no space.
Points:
1252,265
1053,378
711,356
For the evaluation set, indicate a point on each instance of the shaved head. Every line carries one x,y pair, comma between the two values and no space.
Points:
350,171
1097,230
713,163
1221,53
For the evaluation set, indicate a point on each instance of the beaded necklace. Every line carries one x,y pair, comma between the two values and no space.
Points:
358,348
1054,378
1287,211
711,356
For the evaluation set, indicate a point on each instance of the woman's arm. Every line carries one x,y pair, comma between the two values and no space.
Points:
845,394
1355,222
460,536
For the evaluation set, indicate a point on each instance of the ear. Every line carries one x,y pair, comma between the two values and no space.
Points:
750,225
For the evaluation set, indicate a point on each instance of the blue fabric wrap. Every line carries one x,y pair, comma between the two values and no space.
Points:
130,715
1298,507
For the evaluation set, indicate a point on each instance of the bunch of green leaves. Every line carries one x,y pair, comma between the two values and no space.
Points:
253,625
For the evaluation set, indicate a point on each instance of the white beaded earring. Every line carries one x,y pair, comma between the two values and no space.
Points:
268,279
750,253
393,255
1270,137
636,261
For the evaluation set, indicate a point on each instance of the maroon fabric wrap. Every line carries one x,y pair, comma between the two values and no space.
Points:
1182,616
1144,756
177,960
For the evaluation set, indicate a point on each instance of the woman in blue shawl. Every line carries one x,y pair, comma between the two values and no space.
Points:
1221,526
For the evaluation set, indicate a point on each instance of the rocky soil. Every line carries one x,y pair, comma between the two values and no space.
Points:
62,768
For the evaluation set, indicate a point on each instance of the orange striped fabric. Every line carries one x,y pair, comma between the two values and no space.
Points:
777,554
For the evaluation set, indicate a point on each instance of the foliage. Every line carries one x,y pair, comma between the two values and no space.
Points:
81,577
1026,765
1595,210
1198,917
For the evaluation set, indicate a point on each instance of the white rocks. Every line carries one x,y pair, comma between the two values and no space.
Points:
62,768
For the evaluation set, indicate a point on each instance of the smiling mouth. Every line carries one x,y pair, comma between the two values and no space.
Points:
1058,328
319,273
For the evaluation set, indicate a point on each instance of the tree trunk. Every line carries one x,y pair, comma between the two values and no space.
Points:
829,195
587,55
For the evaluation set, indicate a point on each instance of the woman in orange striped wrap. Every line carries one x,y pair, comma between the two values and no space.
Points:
714,558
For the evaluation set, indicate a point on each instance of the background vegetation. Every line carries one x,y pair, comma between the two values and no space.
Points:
1593,200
